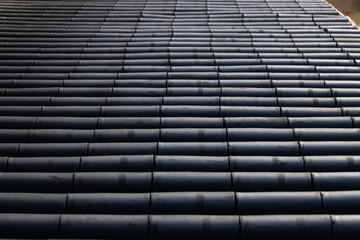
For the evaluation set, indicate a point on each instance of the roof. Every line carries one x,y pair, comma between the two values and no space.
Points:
179,120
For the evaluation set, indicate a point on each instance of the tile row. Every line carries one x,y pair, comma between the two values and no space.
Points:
353,101
152,16
118,12
163,38
211,203
323,21
218,46
149,163
208,24
177,70
174,181
232,55
206,16
209,31
211,8
224,49
177,111
26,122
255,87
133,24
179,46
281,227
178,135
267,148
213,75
172,92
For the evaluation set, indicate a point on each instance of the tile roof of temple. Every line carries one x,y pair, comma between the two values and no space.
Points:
179,119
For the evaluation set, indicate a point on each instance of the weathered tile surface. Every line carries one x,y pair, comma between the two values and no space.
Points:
179,119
